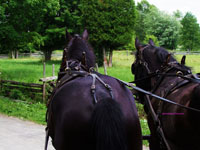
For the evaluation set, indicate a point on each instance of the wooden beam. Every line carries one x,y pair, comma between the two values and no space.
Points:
48,79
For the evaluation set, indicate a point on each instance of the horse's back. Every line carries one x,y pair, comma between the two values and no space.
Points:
73,105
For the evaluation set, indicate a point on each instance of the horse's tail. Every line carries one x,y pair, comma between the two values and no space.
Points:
108,126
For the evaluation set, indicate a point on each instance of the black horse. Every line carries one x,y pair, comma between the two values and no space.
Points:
89,110
156,70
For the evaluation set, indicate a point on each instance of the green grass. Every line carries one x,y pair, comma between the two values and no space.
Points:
121,66
33,112
192,61
25,70
31,70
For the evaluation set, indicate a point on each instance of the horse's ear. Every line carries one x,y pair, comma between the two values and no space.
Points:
85,34
151,42
138,46
183,60
67,35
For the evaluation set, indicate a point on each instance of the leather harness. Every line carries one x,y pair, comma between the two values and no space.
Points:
69,74
181,81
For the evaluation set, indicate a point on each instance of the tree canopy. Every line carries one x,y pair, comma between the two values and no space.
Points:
152,21
27,25
109,22
190,32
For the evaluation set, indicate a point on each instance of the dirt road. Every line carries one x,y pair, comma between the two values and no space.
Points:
16,134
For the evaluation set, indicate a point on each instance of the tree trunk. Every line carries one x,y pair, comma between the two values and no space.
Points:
12,55
16,54
100,57
110,58
47,55
105,57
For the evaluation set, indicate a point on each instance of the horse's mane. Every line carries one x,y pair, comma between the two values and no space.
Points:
76,48
161,55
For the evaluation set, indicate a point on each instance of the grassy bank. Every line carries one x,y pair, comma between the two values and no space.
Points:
34,112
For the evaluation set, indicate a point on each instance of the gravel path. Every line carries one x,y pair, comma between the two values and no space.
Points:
16,134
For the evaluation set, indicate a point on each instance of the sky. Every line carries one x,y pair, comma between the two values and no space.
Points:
184,6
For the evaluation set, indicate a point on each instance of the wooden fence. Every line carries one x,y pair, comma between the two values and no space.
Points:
41,90
30,89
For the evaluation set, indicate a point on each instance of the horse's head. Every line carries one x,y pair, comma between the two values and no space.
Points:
150,59
78,49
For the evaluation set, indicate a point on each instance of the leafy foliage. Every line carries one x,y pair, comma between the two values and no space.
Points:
152,21
110,22
29,25
21,23
190,32
155,40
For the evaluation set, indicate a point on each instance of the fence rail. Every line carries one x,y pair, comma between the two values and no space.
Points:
28,85
43,89
32,89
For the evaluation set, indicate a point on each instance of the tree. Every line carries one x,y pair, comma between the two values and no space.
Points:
155,40
153,22
142,9
38,24
109,22
20,23
190,32
66,14
178,14
165,27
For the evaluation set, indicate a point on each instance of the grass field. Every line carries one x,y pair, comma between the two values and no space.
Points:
30,70
26,111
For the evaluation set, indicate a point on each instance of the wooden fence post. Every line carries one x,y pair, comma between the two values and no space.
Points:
44,84
105,69
97,68
53,70
45,80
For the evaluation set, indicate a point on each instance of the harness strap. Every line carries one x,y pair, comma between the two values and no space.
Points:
93,87
172,87
163,142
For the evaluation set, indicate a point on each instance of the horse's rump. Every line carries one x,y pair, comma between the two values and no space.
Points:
72,110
